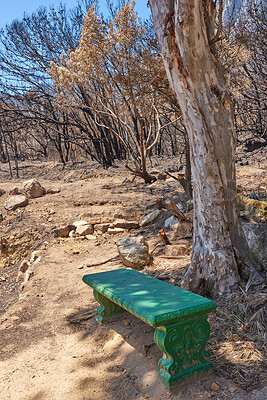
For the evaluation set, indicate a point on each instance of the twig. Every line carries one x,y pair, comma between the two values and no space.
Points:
102,262
159,244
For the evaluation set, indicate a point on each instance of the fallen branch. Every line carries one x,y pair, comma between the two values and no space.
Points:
103,262
159,244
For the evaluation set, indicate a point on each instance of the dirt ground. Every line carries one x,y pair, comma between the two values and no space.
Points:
51,346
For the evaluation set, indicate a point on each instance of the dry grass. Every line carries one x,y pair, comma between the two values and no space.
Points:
238,338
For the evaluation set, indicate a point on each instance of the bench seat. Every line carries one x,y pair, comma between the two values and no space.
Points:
179,316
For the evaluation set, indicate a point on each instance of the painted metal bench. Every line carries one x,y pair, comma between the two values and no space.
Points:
178,316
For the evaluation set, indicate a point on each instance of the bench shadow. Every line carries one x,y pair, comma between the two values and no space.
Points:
143,356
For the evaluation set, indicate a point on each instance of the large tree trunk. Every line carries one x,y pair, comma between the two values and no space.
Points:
185,29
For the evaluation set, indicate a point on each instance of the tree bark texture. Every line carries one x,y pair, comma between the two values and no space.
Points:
185,29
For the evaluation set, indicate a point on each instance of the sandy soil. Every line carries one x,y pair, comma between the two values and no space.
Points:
51,346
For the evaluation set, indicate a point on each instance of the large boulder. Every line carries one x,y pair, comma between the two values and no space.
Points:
15,202
33,189
133,251
256,235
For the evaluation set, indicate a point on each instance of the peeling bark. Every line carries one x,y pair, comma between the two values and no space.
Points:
185,29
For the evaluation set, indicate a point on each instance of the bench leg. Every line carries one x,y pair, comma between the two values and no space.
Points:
107,310
183,345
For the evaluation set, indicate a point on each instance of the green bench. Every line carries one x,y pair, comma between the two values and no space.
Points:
179,316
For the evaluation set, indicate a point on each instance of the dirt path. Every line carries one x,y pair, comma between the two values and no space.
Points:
51,346
45,356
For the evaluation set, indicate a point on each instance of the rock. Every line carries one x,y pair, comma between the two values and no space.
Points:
91,237
114,231
256,235
62,231
170,180
29,273
171,223
24,265
84,230
33,189
79,223
2,192
162,176
151,217
14,191
176,250
184,230
1,218
35,254
124,224
15,202
73,233
215,386
101,228
53,191
133,251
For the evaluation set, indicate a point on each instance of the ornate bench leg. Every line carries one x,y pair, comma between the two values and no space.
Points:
107,310
183,345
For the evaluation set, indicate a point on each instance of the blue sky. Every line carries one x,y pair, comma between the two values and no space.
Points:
14,9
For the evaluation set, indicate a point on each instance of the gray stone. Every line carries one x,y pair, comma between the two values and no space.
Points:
33,189
2,192
171,223
151,217
256,235
133,251
15,202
